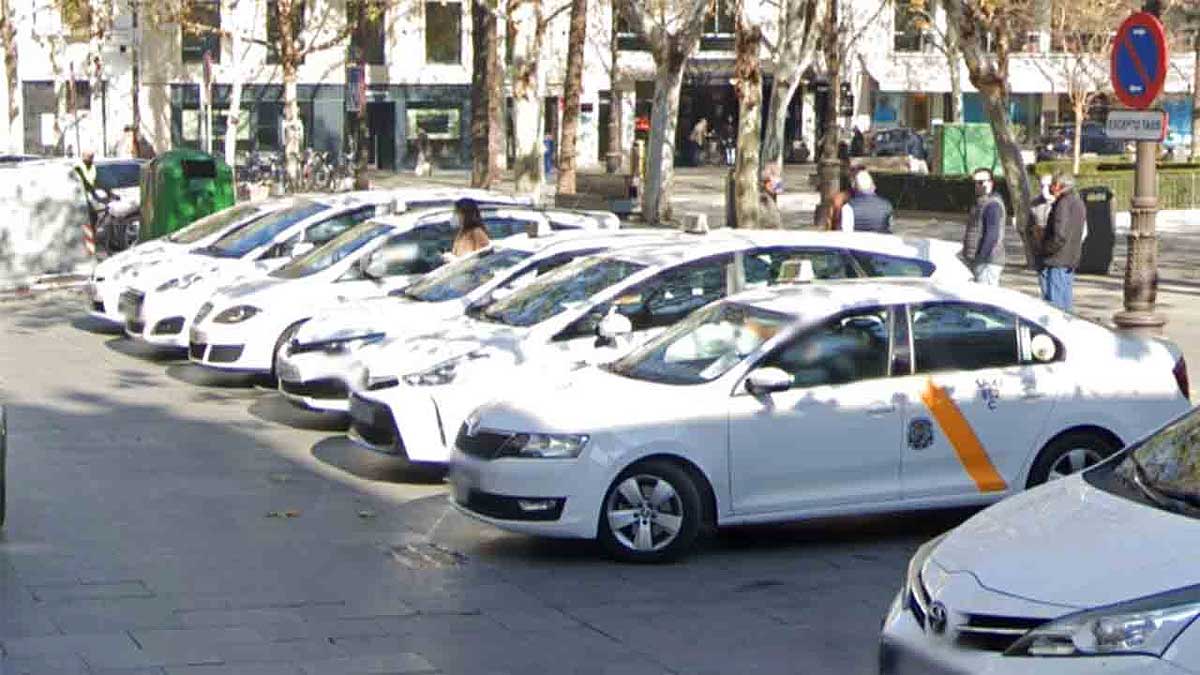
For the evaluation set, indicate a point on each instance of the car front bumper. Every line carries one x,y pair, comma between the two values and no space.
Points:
244,347
402,422
103,298
163,318
317,380
905,648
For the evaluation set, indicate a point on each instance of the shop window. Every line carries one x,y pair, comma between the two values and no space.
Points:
441,127
443,32
274,36
200,33
368,38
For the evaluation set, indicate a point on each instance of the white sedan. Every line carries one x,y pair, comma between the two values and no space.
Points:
244,326
112,275
1091,574
809,401
316,366
415,392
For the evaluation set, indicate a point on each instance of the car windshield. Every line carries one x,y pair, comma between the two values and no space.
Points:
325,256
463,276
118,175
215,222
552,294
241,242
1167,464
703,346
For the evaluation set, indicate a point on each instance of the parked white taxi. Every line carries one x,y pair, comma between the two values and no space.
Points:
246,325
415,392
317,365
1092,574
813,400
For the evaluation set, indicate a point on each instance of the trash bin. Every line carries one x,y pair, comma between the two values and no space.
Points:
181,186
1097,253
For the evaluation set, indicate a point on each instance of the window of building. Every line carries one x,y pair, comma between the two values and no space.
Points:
200,32
368,37
274,36
962,336
443,32
626,38
719,27
908,35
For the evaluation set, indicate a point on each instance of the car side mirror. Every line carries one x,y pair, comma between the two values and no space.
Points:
762,381
1042,348
502,292
301,248
614,326
375,267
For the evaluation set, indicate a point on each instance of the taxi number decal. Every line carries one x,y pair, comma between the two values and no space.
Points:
963,439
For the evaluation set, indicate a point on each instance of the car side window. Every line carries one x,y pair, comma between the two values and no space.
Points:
668,297
500,227
326,230
849,348
963,336
883,265
774,265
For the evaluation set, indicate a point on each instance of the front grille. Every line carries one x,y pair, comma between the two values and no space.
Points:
481,444
97,306
508,508
130,304
327,388
993,633
196,350
135,327
225,353
295,347
373,423
170,326
204,310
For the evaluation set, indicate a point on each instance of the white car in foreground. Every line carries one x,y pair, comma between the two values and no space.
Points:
1092,574
808,401
245,325
316,367
416,392
111,276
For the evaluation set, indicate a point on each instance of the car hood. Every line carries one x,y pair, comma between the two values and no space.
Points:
395,316
451,339
1089,547
213,271
149,253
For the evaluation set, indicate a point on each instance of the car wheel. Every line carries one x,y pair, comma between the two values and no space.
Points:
284,339
131,230
651,514
1070,453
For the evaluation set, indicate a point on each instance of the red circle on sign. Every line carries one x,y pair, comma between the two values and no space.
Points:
1151,23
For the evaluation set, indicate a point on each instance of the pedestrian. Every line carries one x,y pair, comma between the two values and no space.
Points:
729,141
865,211
983,238
768,199
548,154
1039,211
697,138
85,168
424,154
472,234
858,143
1062,243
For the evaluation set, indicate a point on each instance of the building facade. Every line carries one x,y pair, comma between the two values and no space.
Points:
410,72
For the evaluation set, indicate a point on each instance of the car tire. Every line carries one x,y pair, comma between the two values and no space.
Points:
635,528
131,231
1070,453
284,338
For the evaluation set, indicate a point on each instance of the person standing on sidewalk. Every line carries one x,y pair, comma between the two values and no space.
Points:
983,239
865,211
1062,243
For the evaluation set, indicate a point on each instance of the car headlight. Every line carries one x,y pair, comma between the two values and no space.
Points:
1144,626
180,282
442,373
544,446
912,578
237,314
347,344
374,382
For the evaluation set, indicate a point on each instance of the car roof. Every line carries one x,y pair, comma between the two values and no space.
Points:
569,240
688,247
813,301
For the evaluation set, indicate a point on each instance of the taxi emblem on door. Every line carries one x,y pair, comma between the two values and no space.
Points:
920,433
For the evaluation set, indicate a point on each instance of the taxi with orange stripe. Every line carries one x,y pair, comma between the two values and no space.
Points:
813,400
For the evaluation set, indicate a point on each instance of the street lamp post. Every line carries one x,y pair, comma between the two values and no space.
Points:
1141,262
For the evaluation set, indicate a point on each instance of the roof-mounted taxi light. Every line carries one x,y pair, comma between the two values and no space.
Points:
695,223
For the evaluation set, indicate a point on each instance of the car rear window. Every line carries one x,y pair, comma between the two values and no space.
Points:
118,176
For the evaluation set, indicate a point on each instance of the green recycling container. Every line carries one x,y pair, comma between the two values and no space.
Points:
181,186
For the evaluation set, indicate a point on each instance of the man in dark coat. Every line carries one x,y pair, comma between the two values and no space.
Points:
1062,243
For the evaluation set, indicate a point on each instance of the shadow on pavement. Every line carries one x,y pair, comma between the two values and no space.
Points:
140,350
276,408
342,453
202,377
851,530
90,324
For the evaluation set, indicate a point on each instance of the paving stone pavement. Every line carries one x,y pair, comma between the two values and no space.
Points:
167,520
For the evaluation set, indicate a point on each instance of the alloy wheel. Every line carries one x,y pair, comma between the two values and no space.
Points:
645,513
1073,461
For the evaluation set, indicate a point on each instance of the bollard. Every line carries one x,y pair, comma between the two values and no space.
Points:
89,238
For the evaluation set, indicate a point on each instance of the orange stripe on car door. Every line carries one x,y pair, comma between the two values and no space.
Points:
966,444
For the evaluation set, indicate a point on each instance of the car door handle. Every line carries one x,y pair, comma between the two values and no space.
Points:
881,409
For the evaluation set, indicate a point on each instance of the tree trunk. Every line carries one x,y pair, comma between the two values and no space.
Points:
797,46
527,104
60,98
995,103
495,107
572,91
1196,95
483,24
783,90
233,115
954,62
8,35
1077,145
135,73
829,168
289,59
660,150
749,90
615,129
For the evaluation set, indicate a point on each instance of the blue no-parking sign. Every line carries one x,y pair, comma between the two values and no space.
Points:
1139,60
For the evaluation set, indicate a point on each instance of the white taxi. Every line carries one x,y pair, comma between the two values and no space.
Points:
813,400
113,274
316,366
245,326
1091,574
415,392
